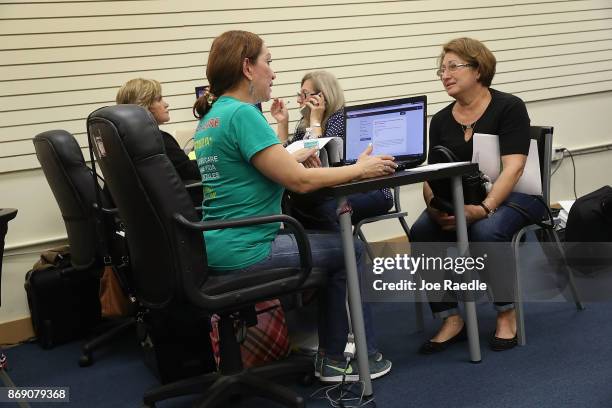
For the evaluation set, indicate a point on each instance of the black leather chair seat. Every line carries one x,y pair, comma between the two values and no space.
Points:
218,284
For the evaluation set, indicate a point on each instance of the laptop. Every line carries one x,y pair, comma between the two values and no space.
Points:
396,127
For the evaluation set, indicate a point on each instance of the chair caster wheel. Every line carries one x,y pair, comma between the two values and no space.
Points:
85,360
307,379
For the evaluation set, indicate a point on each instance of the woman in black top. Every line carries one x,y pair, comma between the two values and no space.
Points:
148,94
466,69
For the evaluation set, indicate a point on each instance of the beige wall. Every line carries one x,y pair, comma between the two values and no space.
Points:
61,60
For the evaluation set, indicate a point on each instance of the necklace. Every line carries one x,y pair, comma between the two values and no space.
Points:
468,130
465,128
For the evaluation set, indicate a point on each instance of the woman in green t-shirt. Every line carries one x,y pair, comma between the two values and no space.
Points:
244,171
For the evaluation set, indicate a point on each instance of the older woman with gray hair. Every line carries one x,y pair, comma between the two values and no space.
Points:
321,102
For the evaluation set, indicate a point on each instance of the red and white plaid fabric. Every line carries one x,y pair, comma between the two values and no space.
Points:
267,341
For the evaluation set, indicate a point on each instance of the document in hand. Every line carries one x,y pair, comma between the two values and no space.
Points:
299,144
486,154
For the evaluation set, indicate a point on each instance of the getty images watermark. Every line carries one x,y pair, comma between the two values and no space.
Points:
439,272
423,265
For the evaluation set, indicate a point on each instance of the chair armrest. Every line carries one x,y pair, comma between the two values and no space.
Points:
290,222
193,184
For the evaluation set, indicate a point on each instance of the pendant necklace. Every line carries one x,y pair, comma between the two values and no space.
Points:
468,130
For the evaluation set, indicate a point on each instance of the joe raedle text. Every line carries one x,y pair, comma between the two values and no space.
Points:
447,284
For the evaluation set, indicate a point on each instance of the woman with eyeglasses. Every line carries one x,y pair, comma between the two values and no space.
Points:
466,69
321,102
245,170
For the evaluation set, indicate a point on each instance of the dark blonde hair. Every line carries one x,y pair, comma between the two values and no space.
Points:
224,68
139,91
326,83
473,52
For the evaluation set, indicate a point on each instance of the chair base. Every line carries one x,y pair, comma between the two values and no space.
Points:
219,389
116,329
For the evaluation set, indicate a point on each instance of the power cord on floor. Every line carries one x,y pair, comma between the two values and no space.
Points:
342,399
347,395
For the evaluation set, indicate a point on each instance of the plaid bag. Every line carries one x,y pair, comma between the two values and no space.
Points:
267,341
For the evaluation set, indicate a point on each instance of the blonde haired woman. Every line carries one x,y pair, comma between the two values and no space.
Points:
321,100
148,94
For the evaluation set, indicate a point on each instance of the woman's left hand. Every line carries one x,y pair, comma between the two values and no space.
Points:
279,111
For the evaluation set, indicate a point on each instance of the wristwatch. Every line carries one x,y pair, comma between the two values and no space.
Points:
489,211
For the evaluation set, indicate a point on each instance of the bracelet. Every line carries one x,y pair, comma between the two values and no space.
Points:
489,211
315,125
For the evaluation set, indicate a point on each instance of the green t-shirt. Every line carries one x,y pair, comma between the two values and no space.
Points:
226,139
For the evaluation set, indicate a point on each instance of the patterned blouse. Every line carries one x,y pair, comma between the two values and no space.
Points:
334,128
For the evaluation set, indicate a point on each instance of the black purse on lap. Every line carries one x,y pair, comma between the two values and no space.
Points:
474,184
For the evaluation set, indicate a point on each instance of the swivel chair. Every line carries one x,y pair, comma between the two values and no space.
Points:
90,234
168,256
543,135
6,214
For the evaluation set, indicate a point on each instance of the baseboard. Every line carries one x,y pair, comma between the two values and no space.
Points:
16,331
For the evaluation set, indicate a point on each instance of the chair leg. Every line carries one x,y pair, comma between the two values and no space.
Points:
568,270
195,385
273,392
404,225
518,305
283,368
367,244
86,358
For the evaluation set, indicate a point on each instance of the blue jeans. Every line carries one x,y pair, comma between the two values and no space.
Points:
321,214
327,254
500,227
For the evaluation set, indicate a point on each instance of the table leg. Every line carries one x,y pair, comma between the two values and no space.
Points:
463,247
354,296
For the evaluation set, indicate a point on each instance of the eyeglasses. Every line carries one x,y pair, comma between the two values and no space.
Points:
452,67
305,94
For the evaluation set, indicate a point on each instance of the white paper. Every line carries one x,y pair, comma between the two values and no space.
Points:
531,180
433,167
299,144
566,204
486,154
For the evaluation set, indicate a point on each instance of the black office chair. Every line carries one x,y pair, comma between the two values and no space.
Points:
543,135
91,233
6,214
168,256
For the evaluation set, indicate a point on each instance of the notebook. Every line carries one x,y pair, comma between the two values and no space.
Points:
396,127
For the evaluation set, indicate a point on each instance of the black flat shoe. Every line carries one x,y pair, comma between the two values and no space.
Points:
432,347
499,344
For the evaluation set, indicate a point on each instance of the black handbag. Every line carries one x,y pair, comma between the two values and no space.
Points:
474,183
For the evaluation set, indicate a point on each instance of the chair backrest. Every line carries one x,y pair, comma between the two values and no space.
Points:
6,214
543,135
148,192
72,184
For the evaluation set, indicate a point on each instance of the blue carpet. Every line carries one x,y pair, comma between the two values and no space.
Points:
566,363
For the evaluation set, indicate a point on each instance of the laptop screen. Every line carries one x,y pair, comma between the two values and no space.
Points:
396,127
